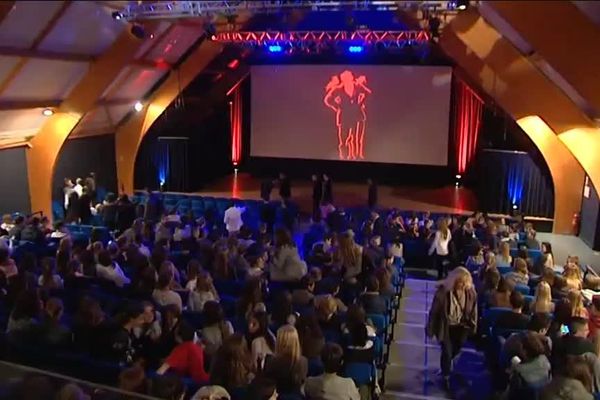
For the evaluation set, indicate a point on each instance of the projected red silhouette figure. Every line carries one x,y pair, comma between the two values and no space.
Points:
346,97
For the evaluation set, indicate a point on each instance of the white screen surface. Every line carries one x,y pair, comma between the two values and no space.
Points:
388,114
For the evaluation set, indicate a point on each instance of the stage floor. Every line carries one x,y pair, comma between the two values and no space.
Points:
445,199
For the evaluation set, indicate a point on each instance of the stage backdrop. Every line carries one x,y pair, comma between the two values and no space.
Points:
388,114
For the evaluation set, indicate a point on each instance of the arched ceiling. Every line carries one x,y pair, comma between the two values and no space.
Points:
46,48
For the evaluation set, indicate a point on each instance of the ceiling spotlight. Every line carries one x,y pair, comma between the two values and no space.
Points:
515,207
138,106
462,4
138,31
117,15
458,176
47,112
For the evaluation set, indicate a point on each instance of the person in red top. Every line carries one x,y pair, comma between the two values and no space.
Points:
187,359
594,319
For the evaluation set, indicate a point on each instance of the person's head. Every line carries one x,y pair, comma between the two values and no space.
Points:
54,308
579,327
576,367
503,286
359,335
204,282
307,283
326,307
133,379
521,266
231,363
458,279
356,315
533,347
546,248
372,284
517,301
165,278
375,241
70,391
48,267
575,301
332,356
283,238
149,313
132,317
212,313
105,259
167,387
490,259
505,249
262,388
212,392
548,276
287,343
543,293
491,279
170,314
443,227
90,312
540,323
384,278
316,274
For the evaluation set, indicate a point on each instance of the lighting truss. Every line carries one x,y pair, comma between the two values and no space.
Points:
190,9
319,41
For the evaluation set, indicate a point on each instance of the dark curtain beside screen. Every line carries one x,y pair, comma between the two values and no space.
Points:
509,178
170,158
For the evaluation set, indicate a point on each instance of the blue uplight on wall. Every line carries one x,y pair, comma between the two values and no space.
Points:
355,49
275,48
516,180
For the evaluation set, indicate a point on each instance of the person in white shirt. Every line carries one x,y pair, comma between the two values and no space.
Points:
67,190
78,188
109,270
233,219
440,248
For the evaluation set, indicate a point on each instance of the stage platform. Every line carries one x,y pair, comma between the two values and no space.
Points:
444,200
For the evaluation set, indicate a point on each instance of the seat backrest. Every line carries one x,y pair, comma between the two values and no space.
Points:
361,373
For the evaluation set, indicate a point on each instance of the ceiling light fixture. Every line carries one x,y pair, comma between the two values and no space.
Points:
138,106
47,112
462,4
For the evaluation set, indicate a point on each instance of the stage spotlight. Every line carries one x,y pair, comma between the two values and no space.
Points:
458,176
462,4
117,15
138,106
457,184
515,207
138,31
47,112
355,49
275,48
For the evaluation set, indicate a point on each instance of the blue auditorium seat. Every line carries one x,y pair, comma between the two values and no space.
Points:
523,289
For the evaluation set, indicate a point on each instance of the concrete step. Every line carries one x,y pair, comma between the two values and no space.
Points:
412,316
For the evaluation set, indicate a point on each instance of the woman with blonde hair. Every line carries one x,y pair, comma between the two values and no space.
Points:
349,256
519,275
440,248
504,259
576,304
453,316
287,367
572,275
542,303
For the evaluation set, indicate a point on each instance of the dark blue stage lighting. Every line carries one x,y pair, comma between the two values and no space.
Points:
275,48
355,49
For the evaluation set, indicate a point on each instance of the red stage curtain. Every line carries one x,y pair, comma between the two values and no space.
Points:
235,113
467,121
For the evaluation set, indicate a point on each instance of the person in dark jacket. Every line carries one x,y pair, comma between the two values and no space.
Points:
327,189
371,194
371,300
85,205
514,319
125,213
317,195
285,186
266,187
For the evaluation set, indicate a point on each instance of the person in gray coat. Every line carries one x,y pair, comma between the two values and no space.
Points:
331,386
286,264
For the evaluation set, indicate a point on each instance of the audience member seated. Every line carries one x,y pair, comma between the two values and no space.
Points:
329,385
573,277
476,260
504,259
520,274
287,366
49,279
8,266
575,343
594,316
109,270
215,328
304,296
530,368
282,311
187,358
501,296
203,292
260,338
348,257
371,300
163,295
251,299
25,314
50,331
514,320
539,324
286,265
122,347
572,381
232,366
542,302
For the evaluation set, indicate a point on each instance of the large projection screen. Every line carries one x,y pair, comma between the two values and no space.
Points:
385,113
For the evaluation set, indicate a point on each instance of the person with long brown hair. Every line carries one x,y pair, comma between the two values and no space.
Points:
286,264
440,248
288,367
232,366
453,316
348,255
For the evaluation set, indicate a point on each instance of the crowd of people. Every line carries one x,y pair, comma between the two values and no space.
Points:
241,309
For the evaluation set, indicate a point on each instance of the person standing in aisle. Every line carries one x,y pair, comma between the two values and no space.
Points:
371,194
317,195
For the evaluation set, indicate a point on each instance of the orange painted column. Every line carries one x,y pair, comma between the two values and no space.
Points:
46,145
129,135
567,173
